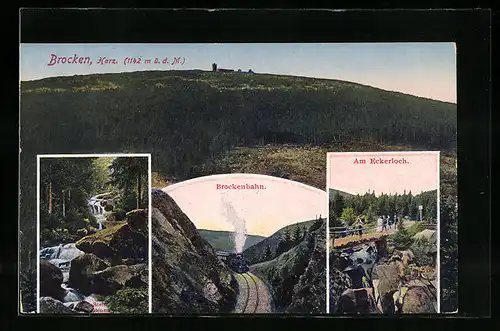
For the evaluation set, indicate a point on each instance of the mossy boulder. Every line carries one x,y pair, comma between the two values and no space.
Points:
109,224
129,300
115,243
112,279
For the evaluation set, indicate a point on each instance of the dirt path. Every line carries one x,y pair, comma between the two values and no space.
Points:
254,296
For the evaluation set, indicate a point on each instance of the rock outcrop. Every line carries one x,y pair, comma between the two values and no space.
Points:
357,301
339,283
49,305
51,278
138,220
186,273
84,306
418,300
82,270
310,292
386,279
112,279
402,283
297,277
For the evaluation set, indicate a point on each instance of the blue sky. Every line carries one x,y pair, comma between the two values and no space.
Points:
422,69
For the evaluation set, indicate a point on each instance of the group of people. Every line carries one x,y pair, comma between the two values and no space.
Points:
385,223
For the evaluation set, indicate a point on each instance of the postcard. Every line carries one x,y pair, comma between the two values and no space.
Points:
237,137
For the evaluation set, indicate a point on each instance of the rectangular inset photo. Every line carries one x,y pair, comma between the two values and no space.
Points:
383,223
239,244
93,217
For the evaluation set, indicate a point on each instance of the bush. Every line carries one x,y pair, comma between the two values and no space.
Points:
424,255
53,237
117,215
416,228
348,216
401,239
128,201
316,225
128,300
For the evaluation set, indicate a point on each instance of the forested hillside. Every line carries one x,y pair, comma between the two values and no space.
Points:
186,117
223,240
344,211
277,243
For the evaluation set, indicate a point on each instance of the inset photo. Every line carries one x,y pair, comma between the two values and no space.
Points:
93,233
239,244
383,223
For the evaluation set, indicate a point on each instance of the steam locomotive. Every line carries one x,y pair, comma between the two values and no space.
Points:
239,264
234,261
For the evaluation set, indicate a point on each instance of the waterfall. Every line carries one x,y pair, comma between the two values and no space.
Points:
97,209
61,256
61,253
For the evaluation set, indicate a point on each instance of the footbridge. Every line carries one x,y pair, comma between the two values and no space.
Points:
342,238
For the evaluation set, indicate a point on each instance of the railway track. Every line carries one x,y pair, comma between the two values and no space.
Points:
254,297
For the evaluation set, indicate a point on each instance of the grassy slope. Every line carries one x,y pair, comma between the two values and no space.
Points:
222,240
306,164
331,193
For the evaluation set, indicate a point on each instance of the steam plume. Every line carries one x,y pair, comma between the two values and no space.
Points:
240,229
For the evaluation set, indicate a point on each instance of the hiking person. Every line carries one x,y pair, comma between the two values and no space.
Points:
380,223
384,223
360,231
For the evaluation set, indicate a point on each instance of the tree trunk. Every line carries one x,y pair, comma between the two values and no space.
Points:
139,190
50,197
63,205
